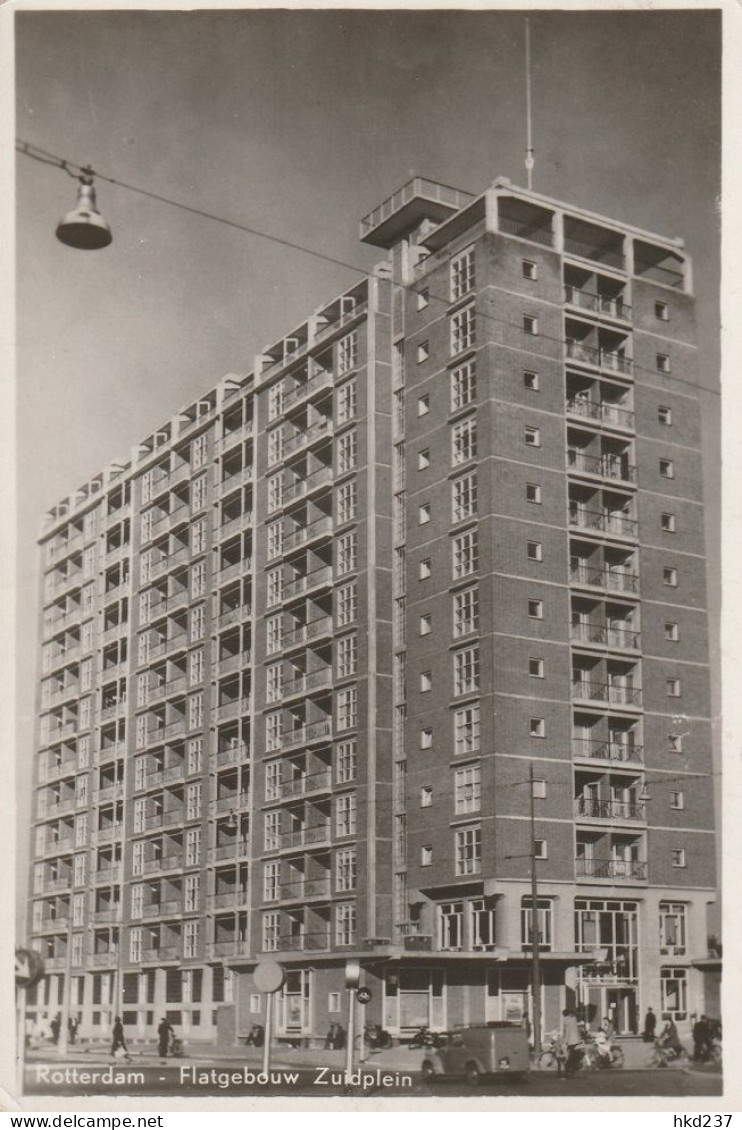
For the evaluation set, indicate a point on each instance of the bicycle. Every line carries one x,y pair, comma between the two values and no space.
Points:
593,1059
550,1058
662,1056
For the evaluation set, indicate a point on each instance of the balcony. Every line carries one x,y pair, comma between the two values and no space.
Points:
171,816
320,527
613,637
62,549
162,909
53,925
321,380
318,578
61,808
605,466
604,411
233,663
50,773
234,616
234,709
232,482
233,525
228,900
61,846
588,748
113,873
233,802
418,199
303,735
107,915
238,569
604,521
233,755
107,959
598,358
631,869
303,837
62,658
114,632
306,684
606,692
303,889
107,792
308,783
317,940
107,835
230,438
168,562
613,579
61,883
109,752
234,849
162,863
599,304
236,947
302,487
594,809
56,962
307,436
320,626
161,953
113,710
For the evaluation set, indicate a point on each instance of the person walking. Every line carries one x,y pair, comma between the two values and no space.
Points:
571,1039
650,1023
164,1032
72,1029
118,1040
701,1039
56,1026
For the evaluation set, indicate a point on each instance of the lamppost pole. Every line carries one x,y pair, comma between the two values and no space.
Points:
535,950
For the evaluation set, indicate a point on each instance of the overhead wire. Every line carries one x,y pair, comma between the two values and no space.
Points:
36,153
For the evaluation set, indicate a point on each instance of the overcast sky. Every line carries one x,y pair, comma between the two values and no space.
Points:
298,123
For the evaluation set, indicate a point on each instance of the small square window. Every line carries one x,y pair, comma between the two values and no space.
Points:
671,630
667,522
423,405
423,298
530,325
426,624
333,1002
678,857
423,459
426,682
537,728
534,551
540,849
677,799
532,436
533,492
536,668
425,569
426,796
661,311
426,738
667,469
530,380
423,352
426,856
663,363
539,790
670,577
530,271
536,609
423,514
673,688
664,415
675,743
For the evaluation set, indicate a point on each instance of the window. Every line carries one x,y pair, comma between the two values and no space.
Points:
198,579
482,922
544,923
537,728
196,667
462,274
347,708
347,553
536,668
135,944
467,789
274,586
195,755
273,682
465,555
463,385
275,492
347,446
530,324
529,269
347,402
532,436
423,459
423,514
423,352
271,926
540,849
195,712
271,888
426,856
466,671
464,497
677,857
273,780
677,799
463,330
346,502
533,493
346,608
464,441
530,380
272,830
465,612
672,928
425,625
667,522
198,493
192,888
674,992
275,401
661,311
539,789
345,762
534,551
273,731
346,656
536,609
667,469
663,363
426,682
664,415
468,850
426,796
422,299
425,569
423,405
333,1002
347,356
671,631
275,446
673,688
346,870
451,925
273,634
345,815
197,623
675,743
670,577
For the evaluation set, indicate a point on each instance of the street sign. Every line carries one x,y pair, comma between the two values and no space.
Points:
29,968
268,976
352,973
364,996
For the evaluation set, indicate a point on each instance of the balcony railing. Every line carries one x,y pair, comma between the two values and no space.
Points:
107,792
303,888
606,692
598,358
233,709
610,869
308,783
112,710
164,819
596,809
239,479
106,915
234,615
312,732
605,521
305,684
161,953
321,379
614,579
316,940
597,303
233,663
609,636
222,900
317,577
50,925
604,411
302,487
234,947
237,569
244,431
61,846
301,837
318,528
162,909
162,863
106,958
233,849
233,525
61,883
316,431
607,751
320,626
233,802
606,466
233,754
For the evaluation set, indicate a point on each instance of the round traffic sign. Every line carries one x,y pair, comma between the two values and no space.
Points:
29,967
364,996
268,976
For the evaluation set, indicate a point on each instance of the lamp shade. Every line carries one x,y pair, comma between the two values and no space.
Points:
84,228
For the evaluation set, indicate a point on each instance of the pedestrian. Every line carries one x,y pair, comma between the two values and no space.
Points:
56,1026
571,1039
118,1040
701,1039
72,1028
164,1031
650,1023
608,1030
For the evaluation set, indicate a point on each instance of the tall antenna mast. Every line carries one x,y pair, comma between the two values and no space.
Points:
529,137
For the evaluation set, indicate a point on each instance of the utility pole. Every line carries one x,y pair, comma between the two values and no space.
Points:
535,950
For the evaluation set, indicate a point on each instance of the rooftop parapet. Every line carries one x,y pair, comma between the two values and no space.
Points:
419,199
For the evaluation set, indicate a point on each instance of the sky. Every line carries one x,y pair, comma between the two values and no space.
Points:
297,123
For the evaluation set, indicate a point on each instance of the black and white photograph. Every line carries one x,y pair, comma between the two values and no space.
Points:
367,664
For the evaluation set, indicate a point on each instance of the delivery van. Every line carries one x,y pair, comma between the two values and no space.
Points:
480,1051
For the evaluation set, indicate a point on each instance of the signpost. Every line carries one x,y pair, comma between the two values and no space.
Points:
268,976
352,978
29,969
363,996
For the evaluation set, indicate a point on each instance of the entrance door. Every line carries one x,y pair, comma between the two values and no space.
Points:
622,1011
294,1002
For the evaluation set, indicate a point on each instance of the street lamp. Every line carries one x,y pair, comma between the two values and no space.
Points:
535,946
84,228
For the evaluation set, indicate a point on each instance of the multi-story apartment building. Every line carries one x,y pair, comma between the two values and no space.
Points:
311,651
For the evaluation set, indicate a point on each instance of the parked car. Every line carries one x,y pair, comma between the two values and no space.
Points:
478,1051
